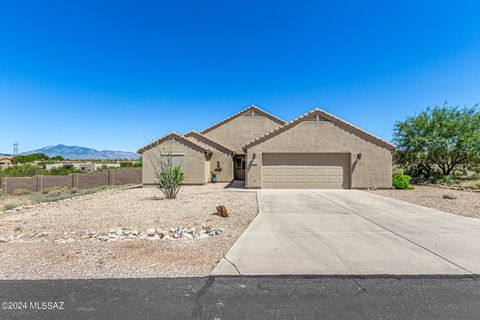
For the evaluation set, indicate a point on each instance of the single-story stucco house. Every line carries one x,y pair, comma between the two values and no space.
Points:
316,150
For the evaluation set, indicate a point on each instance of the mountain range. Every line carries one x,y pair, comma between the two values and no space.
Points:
81,153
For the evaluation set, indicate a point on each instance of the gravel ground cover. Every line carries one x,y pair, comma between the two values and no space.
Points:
463,203
59,239
49,195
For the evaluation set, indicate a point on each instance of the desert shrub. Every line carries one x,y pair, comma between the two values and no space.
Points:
168,175
26,170
10,206
138,163
56,190
423,173
448,180
21,192
126,164
401,181
61,171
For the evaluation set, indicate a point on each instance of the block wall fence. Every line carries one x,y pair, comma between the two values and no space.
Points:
74,180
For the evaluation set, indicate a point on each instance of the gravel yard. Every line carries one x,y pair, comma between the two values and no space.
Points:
30,256
465,203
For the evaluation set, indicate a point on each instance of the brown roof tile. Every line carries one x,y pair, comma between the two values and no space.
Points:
178,136
328,116
257,109
210,141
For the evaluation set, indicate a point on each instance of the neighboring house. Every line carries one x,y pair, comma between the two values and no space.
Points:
316,150
87,166
6,162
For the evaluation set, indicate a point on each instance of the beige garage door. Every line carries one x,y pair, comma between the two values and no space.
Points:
305,171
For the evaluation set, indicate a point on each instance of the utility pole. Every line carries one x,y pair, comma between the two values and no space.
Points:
15,149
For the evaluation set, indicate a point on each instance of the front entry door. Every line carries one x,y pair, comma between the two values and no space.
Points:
239,168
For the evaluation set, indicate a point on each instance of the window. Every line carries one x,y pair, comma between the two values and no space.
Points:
177,160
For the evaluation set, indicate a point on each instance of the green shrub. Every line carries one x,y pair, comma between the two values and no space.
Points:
401,181
26,170
422,173
448,180
61,171
10,206
138,163
126,164
21,192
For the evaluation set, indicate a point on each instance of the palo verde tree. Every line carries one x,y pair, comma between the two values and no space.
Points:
442,136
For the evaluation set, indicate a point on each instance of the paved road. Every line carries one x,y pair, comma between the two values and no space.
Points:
249,298
351,232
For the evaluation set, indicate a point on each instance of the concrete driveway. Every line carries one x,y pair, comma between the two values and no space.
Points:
351,232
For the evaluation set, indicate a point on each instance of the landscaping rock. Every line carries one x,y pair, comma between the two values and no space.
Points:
155,237
192,230
449,196
41,234
151,232
177,232
222,211
164,234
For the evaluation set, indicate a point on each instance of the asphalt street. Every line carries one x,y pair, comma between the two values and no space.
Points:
275,297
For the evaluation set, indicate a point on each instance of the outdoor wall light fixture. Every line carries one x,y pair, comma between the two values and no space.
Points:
254,155
359,156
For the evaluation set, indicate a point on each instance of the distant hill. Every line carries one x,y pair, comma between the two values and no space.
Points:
81,153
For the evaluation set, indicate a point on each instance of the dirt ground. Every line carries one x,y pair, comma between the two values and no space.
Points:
466,203
44,258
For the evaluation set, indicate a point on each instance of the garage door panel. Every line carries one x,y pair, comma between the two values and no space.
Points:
306,171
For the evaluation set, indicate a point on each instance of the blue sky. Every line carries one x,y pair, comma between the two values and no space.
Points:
116,74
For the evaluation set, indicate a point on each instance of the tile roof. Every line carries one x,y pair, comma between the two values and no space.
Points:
174,135
252,107
210,141
325,115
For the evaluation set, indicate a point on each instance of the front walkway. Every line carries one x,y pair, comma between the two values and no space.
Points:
351,232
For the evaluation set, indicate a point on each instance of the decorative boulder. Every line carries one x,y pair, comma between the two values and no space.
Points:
222,211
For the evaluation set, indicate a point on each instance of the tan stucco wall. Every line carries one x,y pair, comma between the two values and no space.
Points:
241,130
195,162
226,163
373,170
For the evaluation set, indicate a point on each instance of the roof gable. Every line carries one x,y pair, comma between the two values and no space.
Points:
209,141
251,108
321,115
177,137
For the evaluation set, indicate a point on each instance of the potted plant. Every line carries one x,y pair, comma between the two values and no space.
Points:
214,177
